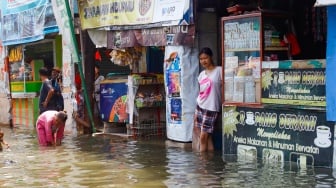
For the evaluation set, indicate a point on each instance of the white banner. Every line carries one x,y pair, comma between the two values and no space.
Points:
63,21
325,2
167,10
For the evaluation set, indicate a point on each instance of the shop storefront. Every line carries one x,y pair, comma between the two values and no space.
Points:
25,62
274,105
29,40
142,35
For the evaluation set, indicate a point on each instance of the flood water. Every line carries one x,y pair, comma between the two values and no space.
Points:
102,161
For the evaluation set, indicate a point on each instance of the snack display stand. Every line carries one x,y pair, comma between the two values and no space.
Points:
146,106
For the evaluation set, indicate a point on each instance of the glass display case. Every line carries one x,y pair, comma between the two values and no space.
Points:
247,41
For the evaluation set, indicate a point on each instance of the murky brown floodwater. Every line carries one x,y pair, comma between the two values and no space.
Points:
87,161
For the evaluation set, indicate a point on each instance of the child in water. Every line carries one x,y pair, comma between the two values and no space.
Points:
2,142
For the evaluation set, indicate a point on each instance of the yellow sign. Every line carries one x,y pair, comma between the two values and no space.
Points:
17,87
15,54
100,13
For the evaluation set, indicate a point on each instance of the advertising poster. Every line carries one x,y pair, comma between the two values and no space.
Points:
26,21
294,86
301,136
173,75
113,101
174,83
176,110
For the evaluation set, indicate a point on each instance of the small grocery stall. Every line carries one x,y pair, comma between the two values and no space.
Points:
25,62
30,45
131,96
274,107
138,38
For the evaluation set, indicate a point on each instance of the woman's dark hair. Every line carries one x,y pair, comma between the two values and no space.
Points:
62,115
206,51
44,71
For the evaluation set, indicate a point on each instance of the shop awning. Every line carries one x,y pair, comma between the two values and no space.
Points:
25,22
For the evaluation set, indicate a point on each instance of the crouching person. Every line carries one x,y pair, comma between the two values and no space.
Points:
50,127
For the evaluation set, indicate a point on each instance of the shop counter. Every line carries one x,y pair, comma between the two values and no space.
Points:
25,98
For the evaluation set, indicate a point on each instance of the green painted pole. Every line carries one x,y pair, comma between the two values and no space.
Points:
80,68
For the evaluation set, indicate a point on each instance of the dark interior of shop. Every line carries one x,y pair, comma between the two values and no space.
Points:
43,51
153,55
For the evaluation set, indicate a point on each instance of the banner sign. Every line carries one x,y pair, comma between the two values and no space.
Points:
294,86
279,135
26,21
173,35
63,21
125,13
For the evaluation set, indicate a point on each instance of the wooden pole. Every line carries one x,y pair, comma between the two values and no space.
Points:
88,50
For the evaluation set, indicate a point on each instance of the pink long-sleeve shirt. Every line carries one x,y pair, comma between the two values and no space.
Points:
45,121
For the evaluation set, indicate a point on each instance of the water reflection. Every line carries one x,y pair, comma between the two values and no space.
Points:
104,161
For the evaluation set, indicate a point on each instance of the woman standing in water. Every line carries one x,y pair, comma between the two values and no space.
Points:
208,100
50,127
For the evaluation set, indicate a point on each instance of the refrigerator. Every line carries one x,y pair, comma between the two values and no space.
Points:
113,95
181,69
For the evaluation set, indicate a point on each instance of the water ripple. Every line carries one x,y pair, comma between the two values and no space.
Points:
87,161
